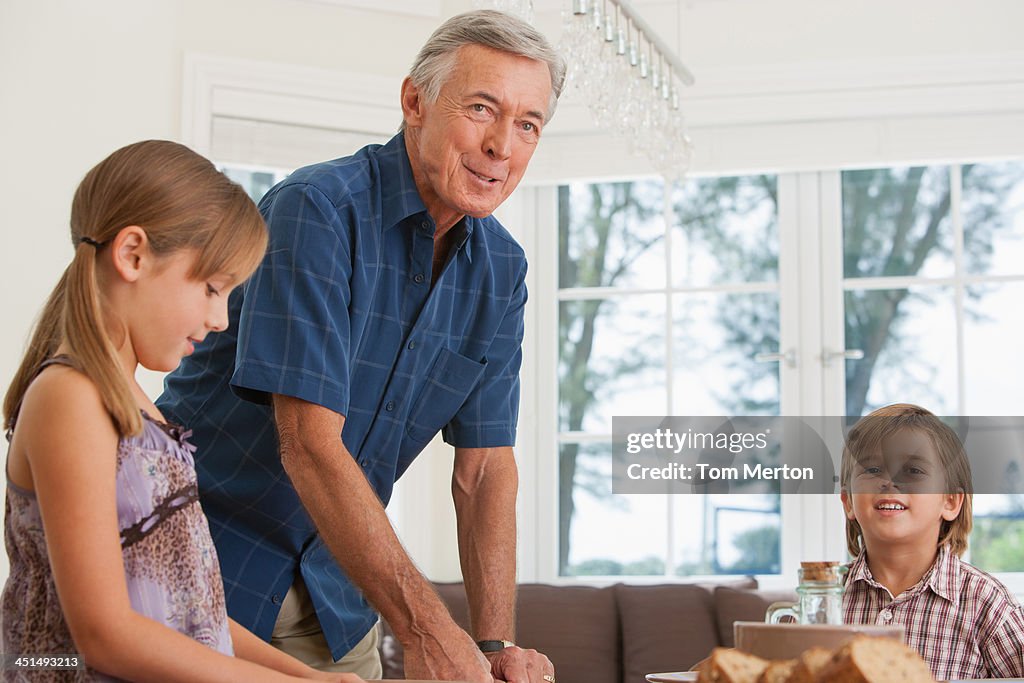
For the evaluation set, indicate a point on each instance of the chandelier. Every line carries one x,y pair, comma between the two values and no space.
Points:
520,8
629,79
627,76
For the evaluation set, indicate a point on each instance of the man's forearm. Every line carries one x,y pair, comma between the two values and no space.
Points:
484,487
352,522
354,526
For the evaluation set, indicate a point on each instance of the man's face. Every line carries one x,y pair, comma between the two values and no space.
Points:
470,148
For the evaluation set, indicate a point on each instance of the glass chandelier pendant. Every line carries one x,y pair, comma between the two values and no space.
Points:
520,8
628,78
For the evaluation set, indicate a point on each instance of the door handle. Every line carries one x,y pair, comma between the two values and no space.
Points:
848,354
788,357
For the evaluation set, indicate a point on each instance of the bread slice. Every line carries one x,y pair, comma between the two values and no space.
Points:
876,660
778,671
810,665
726,665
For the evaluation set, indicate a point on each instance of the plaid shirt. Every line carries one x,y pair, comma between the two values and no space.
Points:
961,620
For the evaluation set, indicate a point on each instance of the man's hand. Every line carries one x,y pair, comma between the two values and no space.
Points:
453,657
516,665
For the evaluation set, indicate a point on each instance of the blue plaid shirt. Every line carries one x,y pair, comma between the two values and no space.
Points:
341,313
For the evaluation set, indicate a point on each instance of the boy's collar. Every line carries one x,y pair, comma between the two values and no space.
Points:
946,579
943,578
859,570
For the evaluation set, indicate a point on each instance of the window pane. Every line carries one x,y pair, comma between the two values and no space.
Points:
908,337
997,540
993,211
728,534
715,342
896,222
255,182
611,360
726,231
993,326
993,330
611,235
602,533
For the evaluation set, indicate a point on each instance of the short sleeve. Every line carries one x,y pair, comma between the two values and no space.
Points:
488,417
294,331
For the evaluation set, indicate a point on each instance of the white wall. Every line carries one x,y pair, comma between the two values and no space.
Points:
78,79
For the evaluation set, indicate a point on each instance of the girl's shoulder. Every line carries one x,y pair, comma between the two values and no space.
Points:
63,400
61,424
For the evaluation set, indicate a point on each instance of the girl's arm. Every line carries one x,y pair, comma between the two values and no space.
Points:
254,649
71,447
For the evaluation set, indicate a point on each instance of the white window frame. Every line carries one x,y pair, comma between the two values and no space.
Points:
776,118
811,288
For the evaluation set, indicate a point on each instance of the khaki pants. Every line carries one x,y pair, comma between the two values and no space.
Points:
298,633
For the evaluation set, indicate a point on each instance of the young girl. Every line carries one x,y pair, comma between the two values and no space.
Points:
110,554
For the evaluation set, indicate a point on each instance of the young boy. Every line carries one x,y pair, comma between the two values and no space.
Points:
906,490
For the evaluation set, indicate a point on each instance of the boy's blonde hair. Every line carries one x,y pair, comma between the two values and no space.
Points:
867,435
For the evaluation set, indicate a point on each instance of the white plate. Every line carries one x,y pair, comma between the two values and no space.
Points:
672,677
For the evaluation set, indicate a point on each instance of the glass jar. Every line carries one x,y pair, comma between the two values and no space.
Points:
819,596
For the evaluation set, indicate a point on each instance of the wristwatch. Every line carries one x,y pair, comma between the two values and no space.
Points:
493,645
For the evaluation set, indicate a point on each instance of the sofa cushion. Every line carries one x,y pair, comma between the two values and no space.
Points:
577,627
667,627
734,604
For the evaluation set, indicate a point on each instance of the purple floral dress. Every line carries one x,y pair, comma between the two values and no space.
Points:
169,559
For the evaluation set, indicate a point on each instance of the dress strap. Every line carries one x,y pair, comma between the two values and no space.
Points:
60,359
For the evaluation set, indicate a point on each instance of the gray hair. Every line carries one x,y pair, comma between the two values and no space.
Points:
489,28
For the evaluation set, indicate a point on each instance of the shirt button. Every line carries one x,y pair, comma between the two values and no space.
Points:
412,345
886,615
390,406
276,599
418,278
425,225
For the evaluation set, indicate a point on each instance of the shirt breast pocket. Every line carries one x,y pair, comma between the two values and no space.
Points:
448,383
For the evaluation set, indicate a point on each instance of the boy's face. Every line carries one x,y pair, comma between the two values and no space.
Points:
899,493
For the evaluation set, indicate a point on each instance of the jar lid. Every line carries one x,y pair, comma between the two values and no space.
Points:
818,571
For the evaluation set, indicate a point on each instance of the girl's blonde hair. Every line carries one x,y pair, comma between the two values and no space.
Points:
182,202
866,436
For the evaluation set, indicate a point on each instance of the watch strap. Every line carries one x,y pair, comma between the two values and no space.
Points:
493,645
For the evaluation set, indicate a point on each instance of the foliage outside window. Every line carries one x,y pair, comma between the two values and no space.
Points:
663,310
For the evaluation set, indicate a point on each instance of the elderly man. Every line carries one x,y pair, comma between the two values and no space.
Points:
389,307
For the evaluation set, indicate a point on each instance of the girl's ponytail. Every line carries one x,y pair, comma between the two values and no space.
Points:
74,313
87,336
45,339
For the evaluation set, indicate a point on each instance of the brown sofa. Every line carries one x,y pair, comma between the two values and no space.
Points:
615,634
